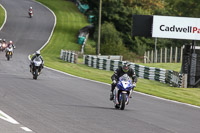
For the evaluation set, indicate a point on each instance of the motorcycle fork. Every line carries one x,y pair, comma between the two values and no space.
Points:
116,91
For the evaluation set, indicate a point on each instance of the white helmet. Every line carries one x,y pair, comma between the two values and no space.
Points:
37,53
30,8
11,42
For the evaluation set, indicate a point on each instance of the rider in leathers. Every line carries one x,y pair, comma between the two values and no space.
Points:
121,70
37,54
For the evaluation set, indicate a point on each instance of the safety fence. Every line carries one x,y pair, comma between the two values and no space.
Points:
162,75
68,56
164,55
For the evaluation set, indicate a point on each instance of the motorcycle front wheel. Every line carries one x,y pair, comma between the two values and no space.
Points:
35,74
122,101
8,57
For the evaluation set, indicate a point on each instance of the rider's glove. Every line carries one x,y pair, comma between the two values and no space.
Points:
114,81
134,84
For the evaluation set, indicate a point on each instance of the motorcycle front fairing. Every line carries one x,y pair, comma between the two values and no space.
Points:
37,62
123,86
9,51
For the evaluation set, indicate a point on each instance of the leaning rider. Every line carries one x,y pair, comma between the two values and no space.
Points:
37,54
11,44
121,70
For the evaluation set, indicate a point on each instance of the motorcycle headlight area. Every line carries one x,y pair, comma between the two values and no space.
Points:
124,86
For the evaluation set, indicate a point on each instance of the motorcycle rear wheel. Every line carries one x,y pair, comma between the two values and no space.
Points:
117,106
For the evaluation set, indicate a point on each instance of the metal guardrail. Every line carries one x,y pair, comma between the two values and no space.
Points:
68,56
162,75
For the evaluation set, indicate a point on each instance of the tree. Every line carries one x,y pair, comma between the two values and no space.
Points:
186,8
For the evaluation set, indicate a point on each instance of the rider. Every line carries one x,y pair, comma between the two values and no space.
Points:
37,54
11,44
121,70
3,44
30,9
4,41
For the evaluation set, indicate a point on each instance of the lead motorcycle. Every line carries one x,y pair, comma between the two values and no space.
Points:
36,67
9,52
122,92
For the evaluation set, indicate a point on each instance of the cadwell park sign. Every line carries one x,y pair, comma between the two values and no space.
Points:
172,27
176,27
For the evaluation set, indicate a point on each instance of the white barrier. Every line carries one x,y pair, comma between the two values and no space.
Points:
162,75
68,56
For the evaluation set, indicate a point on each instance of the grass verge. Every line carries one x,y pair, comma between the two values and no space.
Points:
2,16
69,21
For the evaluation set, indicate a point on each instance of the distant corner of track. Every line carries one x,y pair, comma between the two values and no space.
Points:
53,26
5,19
55,19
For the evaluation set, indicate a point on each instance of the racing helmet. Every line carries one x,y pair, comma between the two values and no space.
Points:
31,7
37,53
11,42
125,67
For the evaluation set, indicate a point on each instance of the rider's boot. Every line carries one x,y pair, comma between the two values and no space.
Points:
111,96
30,67
130,95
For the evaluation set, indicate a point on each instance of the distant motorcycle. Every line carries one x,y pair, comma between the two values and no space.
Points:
3,46
122,92
36,67
30,14
9,52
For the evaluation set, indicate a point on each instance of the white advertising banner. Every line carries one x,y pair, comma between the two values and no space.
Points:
176,27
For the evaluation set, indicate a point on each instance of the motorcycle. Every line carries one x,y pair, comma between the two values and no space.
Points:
3,46
122,92
30,14
9,52
36,67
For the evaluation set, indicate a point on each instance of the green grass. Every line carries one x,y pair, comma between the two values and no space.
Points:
69,21
2,16
169,66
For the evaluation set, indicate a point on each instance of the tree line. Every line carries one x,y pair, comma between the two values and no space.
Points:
117,23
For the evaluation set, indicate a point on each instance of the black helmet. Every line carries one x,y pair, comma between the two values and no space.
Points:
125,67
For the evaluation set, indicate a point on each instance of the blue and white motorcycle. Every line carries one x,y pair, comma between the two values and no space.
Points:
122,92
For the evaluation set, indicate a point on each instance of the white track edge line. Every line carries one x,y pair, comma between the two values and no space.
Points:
134,91
99,81
3,115
53,26
26,129
5,17
7,118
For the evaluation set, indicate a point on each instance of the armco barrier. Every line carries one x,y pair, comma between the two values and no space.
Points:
68,56
162,75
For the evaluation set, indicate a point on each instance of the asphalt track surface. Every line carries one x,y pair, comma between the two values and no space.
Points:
59,103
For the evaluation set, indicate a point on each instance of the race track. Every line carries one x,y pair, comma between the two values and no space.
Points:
59,103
